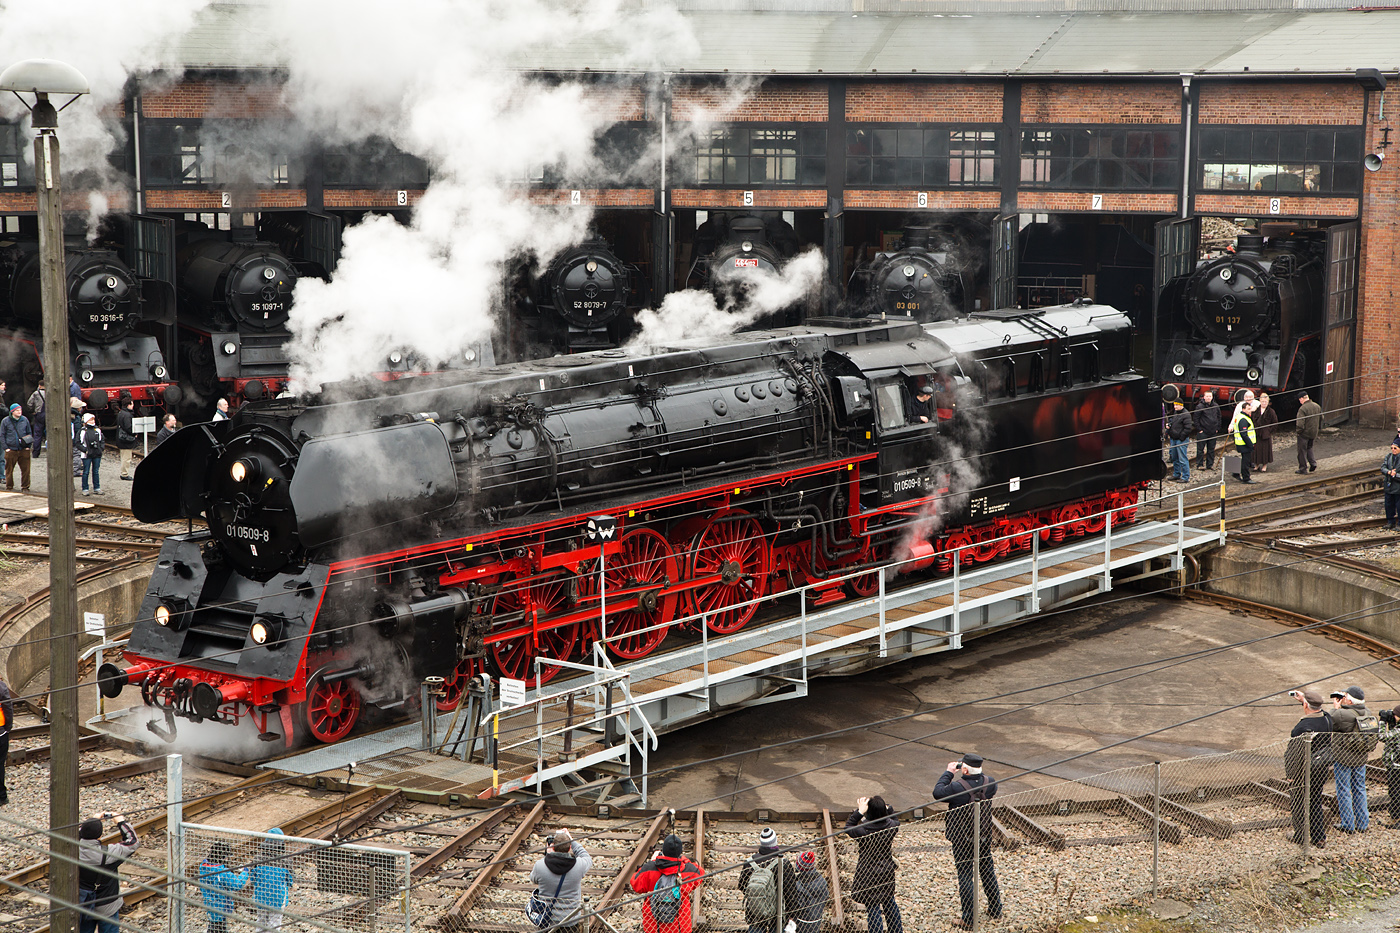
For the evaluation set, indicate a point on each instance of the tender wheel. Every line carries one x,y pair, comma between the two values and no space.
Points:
515,657
331,709
455,684
732,547
868,584
645,559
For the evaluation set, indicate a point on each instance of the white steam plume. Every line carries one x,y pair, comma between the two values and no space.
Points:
696,315
443,84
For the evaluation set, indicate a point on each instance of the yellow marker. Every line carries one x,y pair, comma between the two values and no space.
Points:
867,435
495,763
736,490
631,513
850,467
469,547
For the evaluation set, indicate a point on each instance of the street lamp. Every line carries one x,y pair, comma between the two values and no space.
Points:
42,78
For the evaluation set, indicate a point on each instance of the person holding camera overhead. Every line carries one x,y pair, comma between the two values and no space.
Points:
99,888
873,826
559,878
1304,755
959,787
16,437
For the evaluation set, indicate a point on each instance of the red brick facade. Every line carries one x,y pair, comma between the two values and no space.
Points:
773,102
1113,202
620,103
1244,102
349,198
1378,313
1247,205
923,103
598,197
763,198
1046,102
193,100
197,199
27,202
909,200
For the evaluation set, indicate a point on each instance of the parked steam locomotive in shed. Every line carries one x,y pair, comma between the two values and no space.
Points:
731,250
438,525
585,298
1251,319
920,279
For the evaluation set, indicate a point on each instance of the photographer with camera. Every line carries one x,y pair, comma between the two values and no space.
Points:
16,437
1307,752
959,787
558,878
99,887
1390,757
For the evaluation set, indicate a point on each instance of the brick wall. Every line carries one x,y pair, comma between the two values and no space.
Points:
1045,102
599,197
192,100
773,102
1245,205
909,200
1259,102
619,102
1113,202
27,202
717,199
887,102
1378,324
183,199
366,198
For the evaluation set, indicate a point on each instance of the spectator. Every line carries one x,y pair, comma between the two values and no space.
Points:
126,436
272,879
758,879
1390,479
1390,757
873,826
921,408
1242,431
812,894
962,784
1206,419
1265,418
217,882
167,428
74,390
1353,728
667,880
559,876
76,406
7,717
220,410
1305,755
38,403
1306,428
1179,427
90,445
16,437
99,887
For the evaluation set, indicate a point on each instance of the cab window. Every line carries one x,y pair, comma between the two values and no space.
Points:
892,404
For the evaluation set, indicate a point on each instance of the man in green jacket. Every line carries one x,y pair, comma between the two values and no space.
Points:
1306,429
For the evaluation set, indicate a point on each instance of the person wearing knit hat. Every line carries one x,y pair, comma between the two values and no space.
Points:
962,785
873,826
16,439
1390,757
99,887
558,879
1179,428
1305,765
763,891
812,894
90,445
668,880
272,878
1355,732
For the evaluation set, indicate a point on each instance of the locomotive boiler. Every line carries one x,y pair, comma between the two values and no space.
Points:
917,280
1250,319
106,302
585,298
439,525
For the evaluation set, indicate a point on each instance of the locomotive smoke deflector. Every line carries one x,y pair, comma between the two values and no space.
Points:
185,455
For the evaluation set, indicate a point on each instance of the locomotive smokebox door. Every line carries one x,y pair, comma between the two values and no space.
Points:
600,529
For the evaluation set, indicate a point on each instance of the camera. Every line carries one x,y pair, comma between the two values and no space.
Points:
549,840
1387,716
1295,694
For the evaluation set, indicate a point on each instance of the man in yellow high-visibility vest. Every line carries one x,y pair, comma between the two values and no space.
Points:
1242,430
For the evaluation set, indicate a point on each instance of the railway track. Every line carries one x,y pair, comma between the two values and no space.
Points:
1208,507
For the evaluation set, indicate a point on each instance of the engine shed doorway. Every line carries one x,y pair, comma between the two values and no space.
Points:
951,246
1105,257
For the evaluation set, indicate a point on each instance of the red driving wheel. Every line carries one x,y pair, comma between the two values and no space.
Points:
644,559
733,548
455,684
331,709
515,657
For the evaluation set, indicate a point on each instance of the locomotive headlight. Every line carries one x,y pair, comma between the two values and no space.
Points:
163,615
266,632
1252,374
229,348
396,357
110,282
908,272
243,470
746,246
269,273
590,267
158,371
469,355
1179,370
85,375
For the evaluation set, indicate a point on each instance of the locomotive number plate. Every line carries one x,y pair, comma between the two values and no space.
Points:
906,306
746,262
267,306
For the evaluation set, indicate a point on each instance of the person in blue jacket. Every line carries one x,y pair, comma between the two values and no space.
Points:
272,881
216,882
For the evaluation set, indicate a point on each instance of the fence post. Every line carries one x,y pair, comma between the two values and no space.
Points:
976,863
1108,549
175,838
957,596
1156,824
881,585
1035,571
1307,798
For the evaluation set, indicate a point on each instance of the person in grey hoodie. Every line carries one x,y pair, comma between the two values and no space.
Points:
99,888
559,876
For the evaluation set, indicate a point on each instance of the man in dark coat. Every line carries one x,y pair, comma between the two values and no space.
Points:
1206,416
1179,427
167,428
760,916
1390,482
921,407
959,787
38,406
99,889
126,436
1306,429
1306,754
873,826
16,437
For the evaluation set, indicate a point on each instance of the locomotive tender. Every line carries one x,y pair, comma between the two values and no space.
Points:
437,525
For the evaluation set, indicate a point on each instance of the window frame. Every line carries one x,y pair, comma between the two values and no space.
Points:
931,167
1099,157
1273,152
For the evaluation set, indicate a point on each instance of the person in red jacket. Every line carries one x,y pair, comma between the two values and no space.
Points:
667,880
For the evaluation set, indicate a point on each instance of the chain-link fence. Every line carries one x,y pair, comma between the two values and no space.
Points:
250,882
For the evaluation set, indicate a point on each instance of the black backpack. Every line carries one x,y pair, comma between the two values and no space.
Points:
1370,728
665,898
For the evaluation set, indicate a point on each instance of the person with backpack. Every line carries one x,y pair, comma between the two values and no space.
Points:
1308,751
759,881
667,880
38,400
960,786
272,879
1356,733
812,893
99,887
559,880
90,445
873,826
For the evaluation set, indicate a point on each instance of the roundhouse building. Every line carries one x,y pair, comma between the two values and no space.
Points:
1054,149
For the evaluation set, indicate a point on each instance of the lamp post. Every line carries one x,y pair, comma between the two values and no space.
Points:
42,78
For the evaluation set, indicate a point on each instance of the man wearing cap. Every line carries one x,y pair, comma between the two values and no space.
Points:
1306,427
873,825
1390,484
1206,416
761,893
1349,749
921,408
559,877
962,784
99,889
1179,428
1308,750
16,437
668,880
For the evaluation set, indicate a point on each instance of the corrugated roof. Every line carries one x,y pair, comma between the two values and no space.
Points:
1279,41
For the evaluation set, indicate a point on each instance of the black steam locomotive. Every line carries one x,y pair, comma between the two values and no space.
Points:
1250,319
107,302
917,280
439,525
585,298
731,250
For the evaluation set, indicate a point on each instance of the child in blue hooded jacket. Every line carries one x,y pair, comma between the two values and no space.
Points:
272,880
216,882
